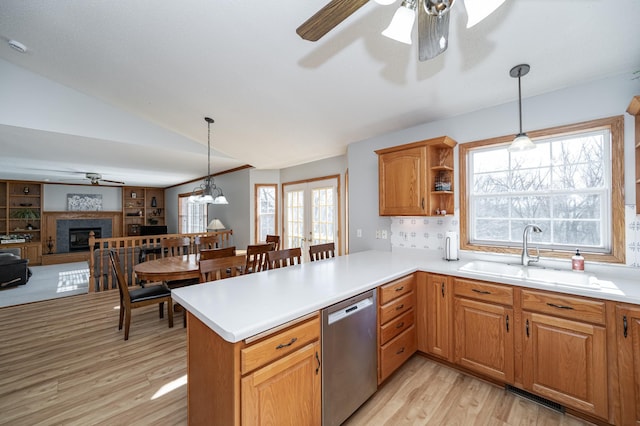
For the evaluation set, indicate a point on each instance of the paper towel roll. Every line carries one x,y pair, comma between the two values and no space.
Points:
451,246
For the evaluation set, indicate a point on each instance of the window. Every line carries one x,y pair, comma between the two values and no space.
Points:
266,211
191,217
570,186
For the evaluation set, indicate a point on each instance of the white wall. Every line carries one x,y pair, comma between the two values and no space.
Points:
598,99
55,196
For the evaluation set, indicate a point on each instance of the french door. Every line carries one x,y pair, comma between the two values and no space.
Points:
310,213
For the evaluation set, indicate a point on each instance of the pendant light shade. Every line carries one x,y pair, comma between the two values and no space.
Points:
521,141
208,192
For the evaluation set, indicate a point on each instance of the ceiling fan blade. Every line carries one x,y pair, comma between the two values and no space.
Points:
327,18
433,33
110,181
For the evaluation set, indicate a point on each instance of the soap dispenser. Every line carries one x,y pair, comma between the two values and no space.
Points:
577,262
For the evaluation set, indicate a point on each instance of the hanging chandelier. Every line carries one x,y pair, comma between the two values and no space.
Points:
208,192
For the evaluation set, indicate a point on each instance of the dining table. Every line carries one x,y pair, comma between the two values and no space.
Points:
172,268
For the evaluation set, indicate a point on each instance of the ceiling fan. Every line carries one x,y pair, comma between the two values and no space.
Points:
433,21
96,179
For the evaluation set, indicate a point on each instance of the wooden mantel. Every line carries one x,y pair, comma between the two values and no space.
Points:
50,219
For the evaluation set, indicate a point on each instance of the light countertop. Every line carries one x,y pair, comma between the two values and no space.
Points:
240,307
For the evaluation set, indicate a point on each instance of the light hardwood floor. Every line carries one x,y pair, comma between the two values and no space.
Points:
65,362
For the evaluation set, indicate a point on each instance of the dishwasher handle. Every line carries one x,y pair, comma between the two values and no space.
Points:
343,313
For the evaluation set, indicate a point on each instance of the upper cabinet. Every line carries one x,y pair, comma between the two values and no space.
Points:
634,109
416,179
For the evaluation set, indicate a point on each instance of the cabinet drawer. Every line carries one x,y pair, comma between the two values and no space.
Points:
478,290
396,307
396,352
396,326
396,288
278,345
564,306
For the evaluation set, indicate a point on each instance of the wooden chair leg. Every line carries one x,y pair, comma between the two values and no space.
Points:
170,312
127,323
121,316
161,309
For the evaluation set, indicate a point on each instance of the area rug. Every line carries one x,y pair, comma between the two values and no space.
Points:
49,282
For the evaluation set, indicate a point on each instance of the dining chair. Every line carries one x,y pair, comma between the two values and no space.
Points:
207,242
223,267
322,251
217,253
275,239
256,256
175,246
283,258
136,298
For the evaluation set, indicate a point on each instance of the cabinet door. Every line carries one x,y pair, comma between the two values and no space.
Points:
483,337
435,307
402,182
628,329
566,361
33,252
285,392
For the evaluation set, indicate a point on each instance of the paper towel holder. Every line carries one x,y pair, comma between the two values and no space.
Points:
447,251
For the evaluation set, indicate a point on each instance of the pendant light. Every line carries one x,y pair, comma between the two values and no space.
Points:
401,24
208,192
521,141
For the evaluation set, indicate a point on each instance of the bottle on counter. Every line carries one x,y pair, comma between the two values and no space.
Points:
577,262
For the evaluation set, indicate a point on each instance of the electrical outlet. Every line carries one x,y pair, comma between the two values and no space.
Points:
384,234
378,234
359,233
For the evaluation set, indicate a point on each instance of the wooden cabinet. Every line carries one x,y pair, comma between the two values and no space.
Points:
396,322
564,350
141,206
21,210
271,378
628,339
416,179
434,314
634,109
483,328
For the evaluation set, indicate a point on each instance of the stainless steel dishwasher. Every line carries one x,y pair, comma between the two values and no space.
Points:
349,356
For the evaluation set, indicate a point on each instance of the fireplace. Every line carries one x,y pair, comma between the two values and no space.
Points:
79,238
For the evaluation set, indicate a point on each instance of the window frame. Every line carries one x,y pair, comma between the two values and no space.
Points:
181,198
615,125
256,206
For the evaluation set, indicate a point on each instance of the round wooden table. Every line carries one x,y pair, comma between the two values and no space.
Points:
168,268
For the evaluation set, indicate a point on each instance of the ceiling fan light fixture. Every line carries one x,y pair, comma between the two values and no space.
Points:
385,2
437,7
478,10
401,25
522,142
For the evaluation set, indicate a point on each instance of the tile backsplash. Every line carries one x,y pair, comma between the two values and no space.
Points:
429,232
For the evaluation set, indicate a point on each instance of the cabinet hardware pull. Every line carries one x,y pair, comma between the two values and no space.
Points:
625,325
527,328
553,305
317,359
480,291
507,323
400,288
284,345
422,203
442,288
400,351
400,325
399,307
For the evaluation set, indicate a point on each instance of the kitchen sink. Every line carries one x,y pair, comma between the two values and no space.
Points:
532,274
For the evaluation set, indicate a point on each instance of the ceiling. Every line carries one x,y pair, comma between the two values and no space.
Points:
126,87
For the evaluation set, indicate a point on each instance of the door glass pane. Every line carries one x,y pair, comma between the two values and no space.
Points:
295,218
322,215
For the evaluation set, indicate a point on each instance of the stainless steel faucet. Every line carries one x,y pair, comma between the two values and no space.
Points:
525,259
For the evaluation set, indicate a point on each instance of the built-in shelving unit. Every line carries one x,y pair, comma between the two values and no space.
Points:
21,217
141,206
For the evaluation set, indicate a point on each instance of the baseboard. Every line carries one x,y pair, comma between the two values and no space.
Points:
58,258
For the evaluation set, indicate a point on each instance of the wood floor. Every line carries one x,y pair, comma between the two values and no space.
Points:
65,362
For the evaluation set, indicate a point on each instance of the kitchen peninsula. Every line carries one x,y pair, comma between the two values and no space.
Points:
236,375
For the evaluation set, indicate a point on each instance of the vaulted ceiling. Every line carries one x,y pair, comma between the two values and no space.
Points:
122,89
